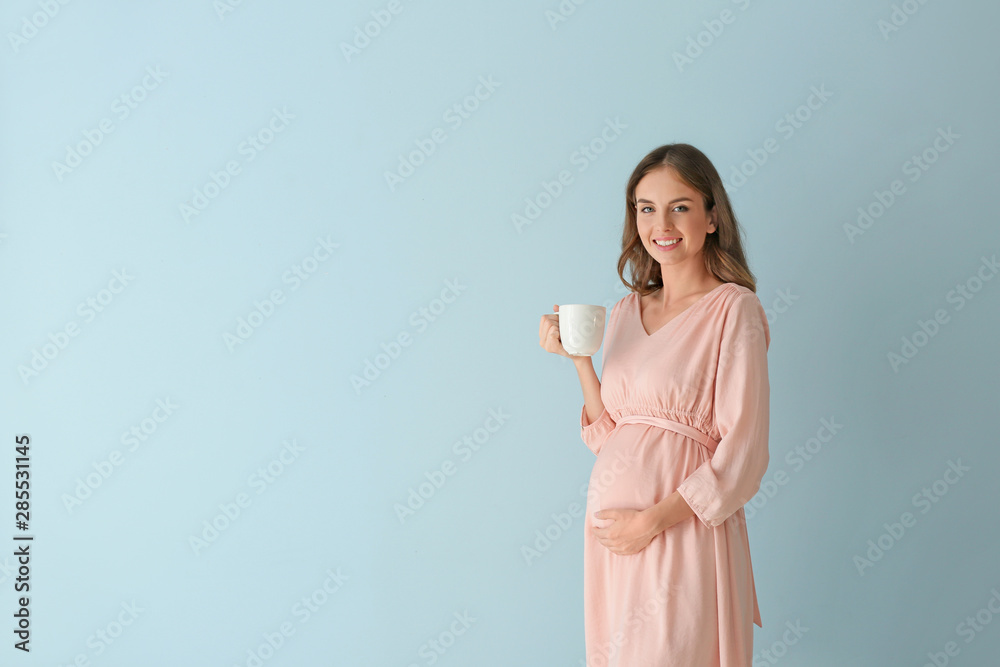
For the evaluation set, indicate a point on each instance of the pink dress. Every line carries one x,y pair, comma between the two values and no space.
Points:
686,409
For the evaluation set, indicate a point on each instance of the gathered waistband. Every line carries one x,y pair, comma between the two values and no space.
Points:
672,425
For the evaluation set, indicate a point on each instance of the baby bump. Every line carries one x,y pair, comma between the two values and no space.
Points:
638,466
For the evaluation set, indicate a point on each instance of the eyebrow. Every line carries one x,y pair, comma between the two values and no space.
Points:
673,201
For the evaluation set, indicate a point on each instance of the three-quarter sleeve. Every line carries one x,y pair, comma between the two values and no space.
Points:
595,434
730,478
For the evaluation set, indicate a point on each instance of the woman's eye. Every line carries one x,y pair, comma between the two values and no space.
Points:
643,209
681,206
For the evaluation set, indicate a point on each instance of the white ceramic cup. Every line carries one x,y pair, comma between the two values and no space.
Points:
581,328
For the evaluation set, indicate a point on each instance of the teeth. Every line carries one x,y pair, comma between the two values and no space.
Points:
666,243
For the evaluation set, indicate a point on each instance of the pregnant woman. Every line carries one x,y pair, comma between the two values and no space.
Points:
679,425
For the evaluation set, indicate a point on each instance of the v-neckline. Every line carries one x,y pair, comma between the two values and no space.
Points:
638,310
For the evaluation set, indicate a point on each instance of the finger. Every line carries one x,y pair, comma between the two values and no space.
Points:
545,330
542,326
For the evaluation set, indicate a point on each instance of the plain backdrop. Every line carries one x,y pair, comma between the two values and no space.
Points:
272,275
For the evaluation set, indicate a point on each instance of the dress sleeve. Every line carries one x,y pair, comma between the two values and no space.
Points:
727,481
595,434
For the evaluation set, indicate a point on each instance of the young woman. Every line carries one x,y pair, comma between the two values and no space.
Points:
679,425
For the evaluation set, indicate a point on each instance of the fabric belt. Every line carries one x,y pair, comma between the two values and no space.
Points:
671,425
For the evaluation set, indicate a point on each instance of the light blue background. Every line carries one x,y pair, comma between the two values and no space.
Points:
361,452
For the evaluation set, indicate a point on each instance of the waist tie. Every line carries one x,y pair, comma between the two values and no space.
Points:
675,426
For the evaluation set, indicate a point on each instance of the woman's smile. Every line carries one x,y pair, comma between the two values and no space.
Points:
666,244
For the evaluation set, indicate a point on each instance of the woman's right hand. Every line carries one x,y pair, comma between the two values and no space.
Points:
548,334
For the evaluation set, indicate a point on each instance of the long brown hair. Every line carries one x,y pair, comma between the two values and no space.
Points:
723,249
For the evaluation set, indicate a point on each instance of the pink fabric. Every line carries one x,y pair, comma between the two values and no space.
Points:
686,409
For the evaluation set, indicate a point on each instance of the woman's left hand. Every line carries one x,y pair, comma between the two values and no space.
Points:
629,532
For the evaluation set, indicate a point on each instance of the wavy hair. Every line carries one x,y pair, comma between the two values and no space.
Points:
723,249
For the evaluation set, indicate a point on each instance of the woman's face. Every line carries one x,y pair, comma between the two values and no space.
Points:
667,209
